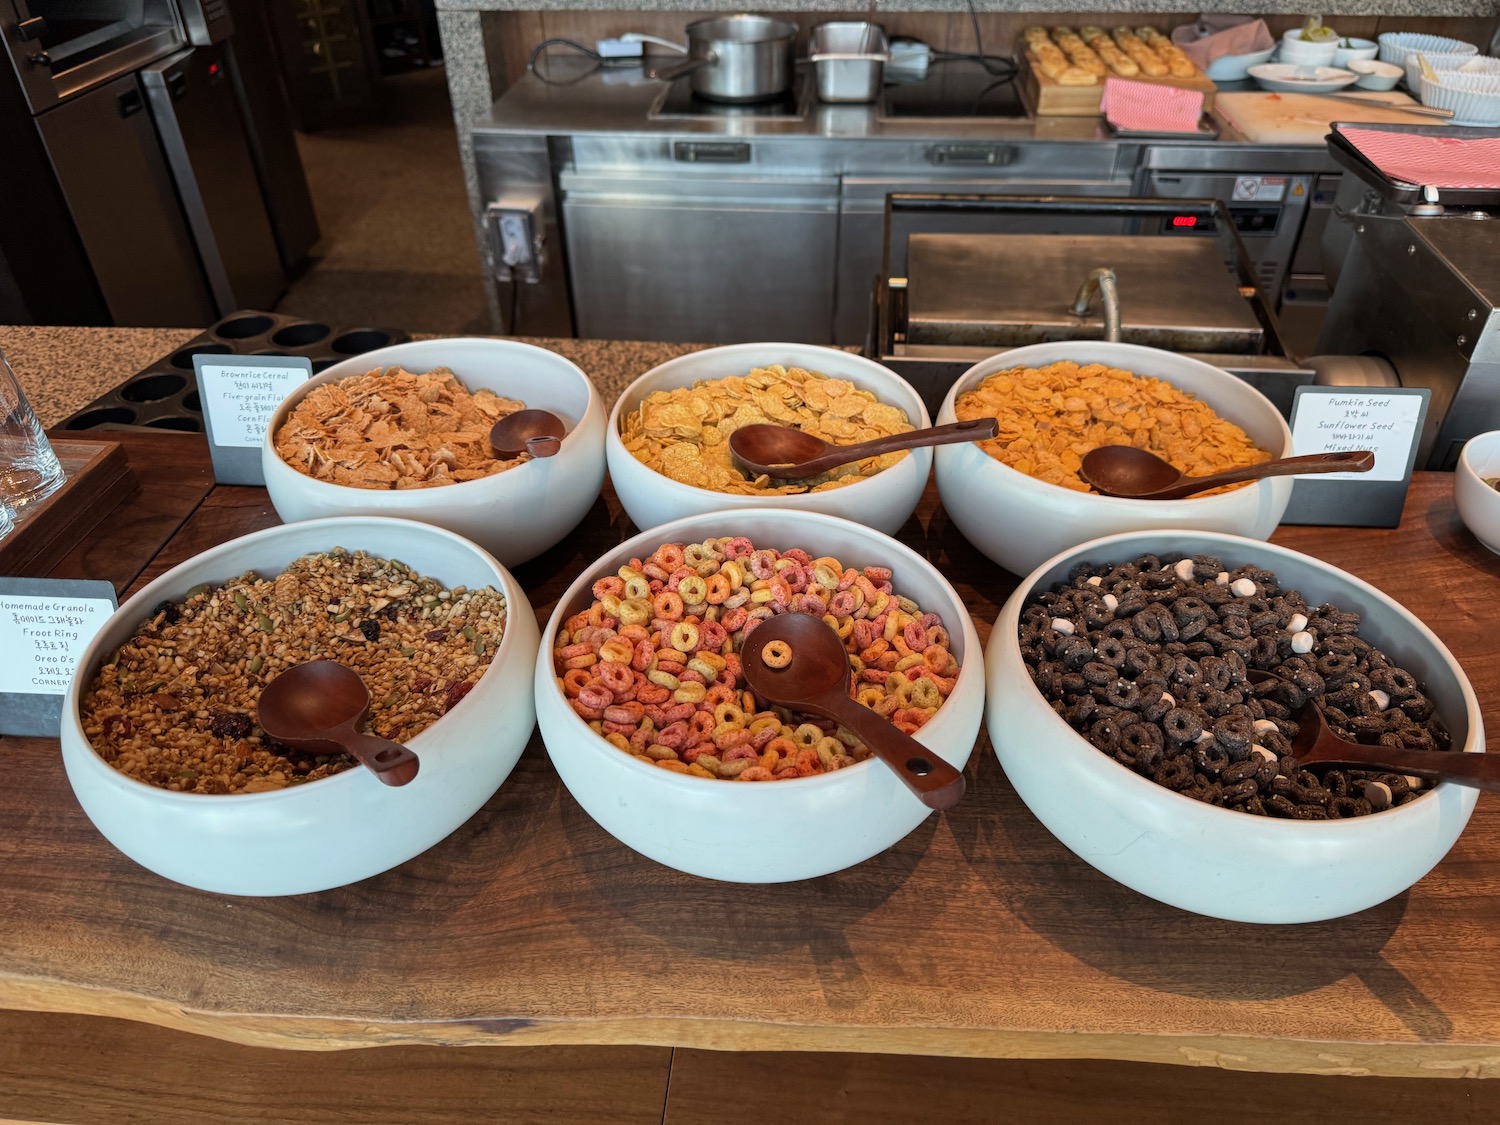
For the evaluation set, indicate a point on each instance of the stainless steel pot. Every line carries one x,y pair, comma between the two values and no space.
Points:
740,58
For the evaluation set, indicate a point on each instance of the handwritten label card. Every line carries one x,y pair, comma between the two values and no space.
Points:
45,626
239,394
1387,420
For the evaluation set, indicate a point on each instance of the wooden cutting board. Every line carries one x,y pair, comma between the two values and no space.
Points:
1303,119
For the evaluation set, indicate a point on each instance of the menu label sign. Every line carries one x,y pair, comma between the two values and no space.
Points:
1387,421
45,626
239,394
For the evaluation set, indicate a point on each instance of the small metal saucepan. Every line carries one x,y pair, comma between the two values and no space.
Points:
740,58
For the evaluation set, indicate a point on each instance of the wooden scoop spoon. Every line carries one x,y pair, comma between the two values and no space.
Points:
321,706
1123,470
816,680
789,454
1316,746
537,432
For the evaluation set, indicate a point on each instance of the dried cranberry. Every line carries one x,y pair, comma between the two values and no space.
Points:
371,629
169,611
389,612
230,724
422,686
436,635
113,721
455,693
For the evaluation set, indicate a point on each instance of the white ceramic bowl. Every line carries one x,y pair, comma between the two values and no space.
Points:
1478,503
1396,45
1018,521
515,515
1299,52
1356,49
343,828
1473,98
883,501
1442,63
1235,68
1215,861
775,831
1376,75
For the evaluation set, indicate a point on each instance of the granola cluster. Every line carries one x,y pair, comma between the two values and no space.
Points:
395,429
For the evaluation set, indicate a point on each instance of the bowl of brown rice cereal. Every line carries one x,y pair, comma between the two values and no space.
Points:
1018,498
776,798
667,439
403,431
159,737
1122,707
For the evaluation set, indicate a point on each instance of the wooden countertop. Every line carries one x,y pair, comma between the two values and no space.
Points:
977,935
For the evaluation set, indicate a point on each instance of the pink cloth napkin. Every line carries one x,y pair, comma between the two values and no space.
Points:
1149,107
1215,36
1429,161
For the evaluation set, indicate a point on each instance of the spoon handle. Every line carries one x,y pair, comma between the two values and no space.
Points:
975,429
1354,461
1482,771
935,782
393,763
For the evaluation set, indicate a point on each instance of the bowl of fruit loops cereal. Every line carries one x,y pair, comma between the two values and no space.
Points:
661,745
1018,497
159,732
668,448
403,431
1123,706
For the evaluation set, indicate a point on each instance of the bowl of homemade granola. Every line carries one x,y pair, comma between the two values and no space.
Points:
1125,708
667,443
404,431
1018,497
161,739
643,706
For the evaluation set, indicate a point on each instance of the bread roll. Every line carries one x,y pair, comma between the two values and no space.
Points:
1116,59
1076,76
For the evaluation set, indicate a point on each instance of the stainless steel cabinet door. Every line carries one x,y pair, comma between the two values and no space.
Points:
721,259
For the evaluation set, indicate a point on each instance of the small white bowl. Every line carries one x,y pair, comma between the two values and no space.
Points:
774,831
1479,503
1235,68
342,828
1443,63
1376,75
883,501
1356,49
1473,98
515,515
1300,52
1395,46
1215,861
1017,520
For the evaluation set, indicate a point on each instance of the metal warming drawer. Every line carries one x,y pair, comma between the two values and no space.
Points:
1008,290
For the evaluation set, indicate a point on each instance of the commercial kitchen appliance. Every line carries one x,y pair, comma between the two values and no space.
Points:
620,207
1416,302
132,193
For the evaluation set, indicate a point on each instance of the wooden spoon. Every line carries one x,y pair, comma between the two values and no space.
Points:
817,681
789,454
1317,746
1134,474
537,432
321,706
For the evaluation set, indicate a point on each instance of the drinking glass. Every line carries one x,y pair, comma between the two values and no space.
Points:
29,468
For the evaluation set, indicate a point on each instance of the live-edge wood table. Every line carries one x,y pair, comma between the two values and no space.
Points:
978,937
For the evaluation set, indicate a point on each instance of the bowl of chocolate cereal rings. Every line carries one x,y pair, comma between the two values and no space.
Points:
1124,708
667,443
648,719
161,735
1018,497
404,431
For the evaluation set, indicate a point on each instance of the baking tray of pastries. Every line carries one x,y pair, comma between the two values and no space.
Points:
1064,69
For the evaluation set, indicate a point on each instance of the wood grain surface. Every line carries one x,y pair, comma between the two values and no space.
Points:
977,935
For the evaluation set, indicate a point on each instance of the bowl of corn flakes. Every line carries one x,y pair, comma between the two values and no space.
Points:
1018,497
404,431
668,438
672,755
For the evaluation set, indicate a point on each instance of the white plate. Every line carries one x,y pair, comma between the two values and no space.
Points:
1286,78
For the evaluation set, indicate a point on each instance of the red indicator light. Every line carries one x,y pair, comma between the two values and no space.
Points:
1184,220
213,68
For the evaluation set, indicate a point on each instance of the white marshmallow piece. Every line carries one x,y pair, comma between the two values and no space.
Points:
1222,578
1382,699
1302,642
1111,601
1264,724
1184,570
1096,581
1378,793
1062,625
1166,697
1206,736
1242,588
1297,623
1262,753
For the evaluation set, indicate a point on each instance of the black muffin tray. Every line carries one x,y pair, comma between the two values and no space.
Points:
165,395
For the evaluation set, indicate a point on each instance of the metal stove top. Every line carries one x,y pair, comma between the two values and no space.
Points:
952,89
677,102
